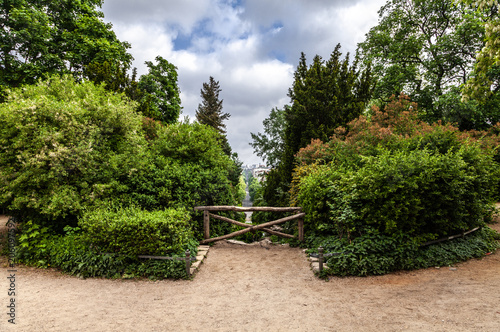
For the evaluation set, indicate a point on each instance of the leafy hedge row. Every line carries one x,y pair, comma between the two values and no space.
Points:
133,231
82,253
421,193
375,253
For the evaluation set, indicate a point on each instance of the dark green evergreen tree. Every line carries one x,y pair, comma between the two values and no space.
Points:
324,96
210,113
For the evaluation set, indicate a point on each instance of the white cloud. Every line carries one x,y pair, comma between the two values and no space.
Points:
184,14
251,47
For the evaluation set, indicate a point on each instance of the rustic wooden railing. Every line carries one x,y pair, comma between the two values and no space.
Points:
248,227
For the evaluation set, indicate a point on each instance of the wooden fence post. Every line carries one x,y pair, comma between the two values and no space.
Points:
188,262
320,258
300,225
206,224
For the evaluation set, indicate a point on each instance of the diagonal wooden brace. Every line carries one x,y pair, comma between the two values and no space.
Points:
234,222
251,228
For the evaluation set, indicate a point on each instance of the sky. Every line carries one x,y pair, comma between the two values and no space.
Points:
252,47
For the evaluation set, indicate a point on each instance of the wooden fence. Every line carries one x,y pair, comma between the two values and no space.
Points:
248,227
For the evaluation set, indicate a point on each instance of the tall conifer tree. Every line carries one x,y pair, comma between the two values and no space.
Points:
324,96
210,113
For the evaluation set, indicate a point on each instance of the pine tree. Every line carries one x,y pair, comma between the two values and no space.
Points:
210,113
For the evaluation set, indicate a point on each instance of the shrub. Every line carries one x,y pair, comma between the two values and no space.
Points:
63,145
66,146
374,253
396,173
72,254
421,193
390,182
133,231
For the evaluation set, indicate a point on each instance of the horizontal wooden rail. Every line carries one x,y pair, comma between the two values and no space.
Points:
247,209
188,258
321,255
449,237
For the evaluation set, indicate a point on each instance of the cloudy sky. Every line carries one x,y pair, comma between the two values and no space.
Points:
251,47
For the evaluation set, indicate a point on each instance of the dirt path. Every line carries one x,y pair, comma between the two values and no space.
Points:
251,288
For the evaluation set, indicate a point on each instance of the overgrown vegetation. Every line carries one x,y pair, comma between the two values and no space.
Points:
375,253
98,174
69,147
386,184
72,253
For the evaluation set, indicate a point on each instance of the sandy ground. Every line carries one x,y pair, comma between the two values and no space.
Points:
251,288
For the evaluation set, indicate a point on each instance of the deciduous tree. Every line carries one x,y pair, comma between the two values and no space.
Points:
427,49
161,100
270,144
44,37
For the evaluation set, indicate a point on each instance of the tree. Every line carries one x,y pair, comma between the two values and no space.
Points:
324,96
210,113
44,37
161,100
427,49
270,144
484,83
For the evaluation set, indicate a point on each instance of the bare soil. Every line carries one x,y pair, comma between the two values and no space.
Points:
254,288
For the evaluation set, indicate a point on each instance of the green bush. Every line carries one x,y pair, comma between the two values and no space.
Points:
66,146
375,253
185,167
72,254
421,193
133,231
62,146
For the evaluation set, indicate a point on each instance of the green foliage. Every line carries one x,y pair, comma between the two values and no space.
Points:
64,145
161,100
185,167
254,189
73,255
54,36
422,193
375,253
133,231
427,49
210,113
483,84
325,95
242,193
376,190
33,238
270,144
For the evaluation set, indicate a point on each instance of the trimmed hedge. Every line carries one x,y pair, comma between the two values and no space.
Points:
133,231
421,193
